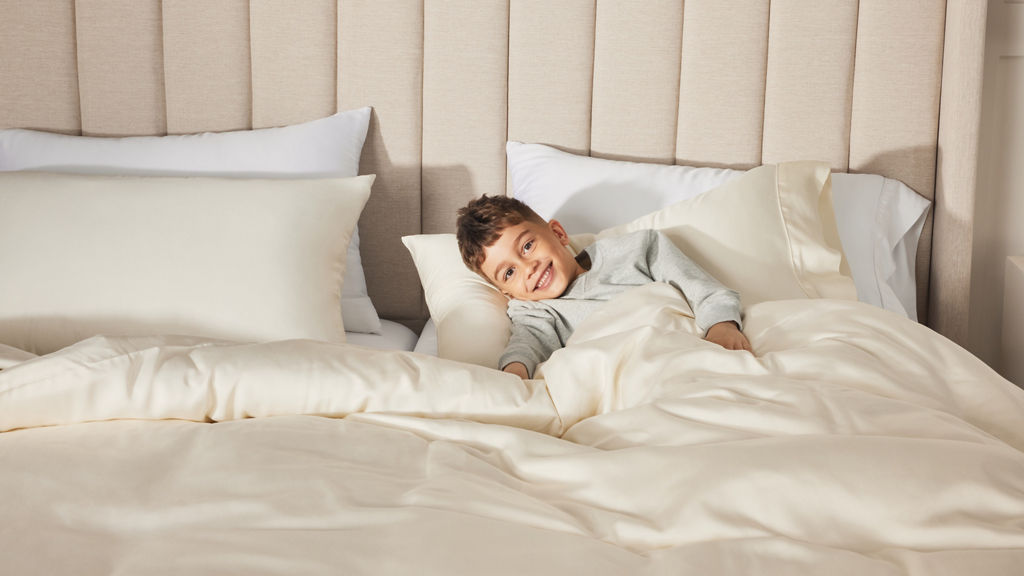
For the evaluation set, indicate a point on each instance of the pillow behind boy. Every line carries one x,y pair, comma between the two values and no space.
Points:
879,219
769,234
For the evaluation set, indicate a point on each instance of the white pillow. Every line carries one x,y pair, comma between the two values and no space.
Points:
238,259
328,147
769,234
879,219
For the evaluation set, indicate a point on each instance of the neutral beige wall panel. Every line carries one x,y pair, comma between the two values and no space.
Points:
894,123
550,68
294,61
465,89
39,86
957,171
121,67
206,65
809,84
896,100
380,64
721,84
636,79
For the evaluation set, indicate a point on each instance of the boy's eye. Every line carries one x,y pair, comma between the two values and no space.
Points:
507,274
527,246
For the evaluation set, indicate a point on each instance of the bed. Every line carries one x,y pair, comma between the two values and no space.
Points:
222,226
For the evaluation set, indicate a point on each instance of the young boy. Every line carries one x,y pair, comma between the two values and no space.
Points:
528,259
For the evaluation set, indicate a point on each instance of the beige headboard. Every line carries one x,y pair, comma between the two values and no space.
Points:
876,86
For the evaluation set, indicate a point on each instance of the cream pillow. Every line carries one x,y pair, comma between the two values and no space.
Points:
323,148
879,219
239,259
469,313
769,234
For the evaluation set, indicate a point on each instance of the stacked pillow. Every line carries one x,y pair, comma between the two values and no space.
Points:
327,147
246,235
879,220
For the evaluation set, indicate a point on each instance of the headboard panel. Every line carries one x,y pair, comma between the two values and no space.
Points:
207,67
722,84
380,64
705,82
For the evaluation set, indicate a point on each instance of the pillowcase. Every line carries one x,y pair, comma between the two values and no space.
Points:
327,147
768,234
238,259
469,313
879,219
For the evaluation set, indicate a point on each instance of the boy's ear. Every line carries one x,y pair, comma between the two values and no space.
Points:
560,233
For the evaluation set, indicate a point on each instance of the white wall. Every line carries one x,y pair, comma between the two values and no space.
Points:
999,211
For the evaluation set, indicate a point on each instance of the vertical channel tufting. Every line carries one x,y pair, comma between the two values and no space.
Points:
465,95
894,122
722,79
120,67
294,61
380,64
206,65
896,101
550,72
809,82
39,86
636,79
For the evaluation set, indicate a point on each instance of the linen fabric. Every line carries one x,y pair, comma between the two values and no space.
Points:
879,220
882,448
224,258
326,147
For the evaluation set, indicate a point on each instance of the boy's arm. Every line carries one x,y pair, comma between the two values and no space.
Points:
711,302
533,340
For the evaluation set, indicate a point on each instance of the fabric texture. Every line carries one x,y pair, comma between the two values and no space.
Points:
226,258
879,220
882,448
616,264
327,147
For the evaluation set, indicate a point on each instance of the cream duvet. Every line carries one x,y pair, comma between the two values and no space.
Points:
852,442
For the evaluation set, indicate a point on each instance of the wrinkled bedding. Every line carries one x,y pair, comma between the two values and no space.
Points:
852,442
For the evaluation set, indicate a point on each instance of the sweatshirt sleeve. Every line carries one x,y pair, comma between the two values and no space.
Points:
533,339
710,301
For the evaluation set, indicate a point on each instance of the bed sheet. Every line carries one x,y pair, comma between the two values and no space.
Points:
853,442
393,336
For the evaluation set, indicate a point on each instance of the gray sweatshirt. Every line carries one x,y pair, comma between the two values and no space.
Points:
616,264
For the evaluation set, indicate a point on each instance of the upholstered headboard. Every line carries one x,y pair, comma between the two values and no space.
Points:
875,86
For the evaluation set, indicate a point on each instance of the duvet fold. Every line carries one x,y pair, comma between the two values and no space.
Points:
852,441
168,377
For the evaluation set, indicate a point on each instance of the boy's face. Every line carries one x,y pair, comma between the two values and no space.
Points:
530,261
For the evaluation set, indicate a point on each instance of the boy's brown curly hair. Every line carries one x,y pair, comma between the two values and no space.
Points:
482,221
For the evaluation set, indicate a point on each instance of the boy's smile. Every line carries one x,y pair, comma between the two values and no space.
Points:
530,261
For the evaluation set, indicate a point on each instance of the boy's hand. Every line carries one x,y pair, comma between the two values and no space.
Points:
728,336
517,368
